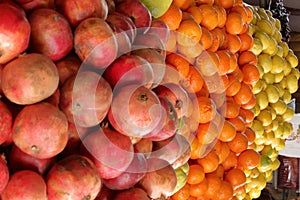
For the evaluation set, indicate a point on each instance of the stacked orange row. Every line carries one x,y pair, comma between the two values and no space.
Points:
209,46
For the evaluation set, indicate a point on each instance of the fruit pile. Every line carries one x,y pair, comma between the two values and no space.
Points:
140,99
278,80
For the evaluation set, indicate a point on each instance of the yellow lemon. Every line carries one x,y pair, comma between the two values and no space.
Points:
269,78
254,173
265,26
272,111
275,164
279,132
280,89
267,150
277,64
296,72
265,61
262,13
279,51
277,24
277,35
262,100
257,127
257,46
264,38
272,49
292,58
265,117
286,97
279,107
269,137
256,109
278,77
272,93
283,83
292,83
258,86
288,114
287,68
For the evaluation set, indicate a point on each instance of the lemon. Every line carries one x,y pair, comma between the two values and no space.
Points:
292,83
269,137
277,64
265,117
264,38
281,145
259,147
296,72
277,35
254,173
265,61
287,68
261,181
267,150
269,175
252,27
264,164
272,111
275,164
277,24
272,49
286,97
262,100
292,58
279,132
278,77
257,46
157,8
283,83
269,78
275,124
258,86
272,93
262,13
279,51
266,26
280,89
288,114
279,107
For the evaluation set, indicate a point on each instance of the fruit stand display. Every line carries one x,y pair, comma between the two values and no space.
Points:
140,99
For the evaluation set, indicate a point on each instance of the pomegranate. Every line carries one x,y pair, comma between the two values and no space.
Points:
111,152
76,11
25,184
95,42
36,4
132,194
6,120
29,79
51,33
74,177
36,119
14,32
86,98
4,173
135,111
18,160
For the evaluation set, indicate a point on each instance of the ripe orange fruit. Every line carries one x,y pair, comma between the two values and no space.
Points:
179,62
225,3
251,74
206,38
172,17
215,42
195,80
224,63
221,15
234,23
209,16
209,162
184,4
230,161
222,150
199,189
244,95
225,191
230,109
221,33
196,174
213,185
235,177
247,57
228,132
250,104
195,12
248,159
234,43
247,41
239,123
207,109
250,135
219,171
233,86
183,193
249,14
241,10
207,132
233,62
239,143
210,2
238,73
189,33
249,114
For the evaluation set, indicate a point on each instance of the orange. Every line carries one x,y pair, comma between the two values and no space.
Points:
214,83
250,135
171,43
195,12
210,2
238,3
207,109
248,159
238,73
249,114
233,86
247,41
179,62
239,143
206,38
221,34
249,14
172,17
207,63
230,161
225,191
251,74
195,80
219,171
223,84
209,16
233,62
230,109
215,42
189,33
221,15
184,4
245,29
209,162
234,43
222,150
224,63
186,15
207,132
241,10
182,194
190,51
225,3
239,123
244,95
196,174
234,23
199,189
218,98
247,57
228,132
213,185
250,104
235,177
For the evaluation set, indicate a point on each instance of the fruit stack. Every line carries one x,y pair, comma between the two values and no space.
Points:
139,99
278,80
